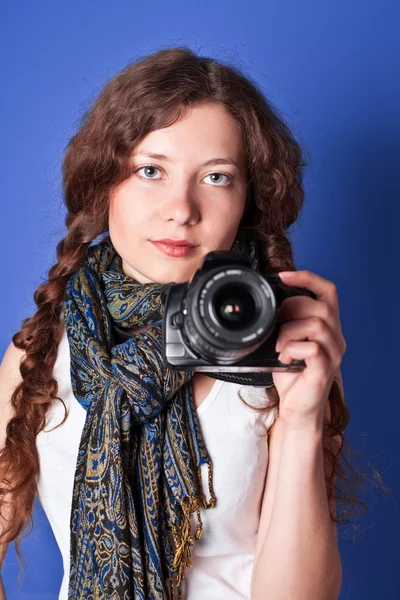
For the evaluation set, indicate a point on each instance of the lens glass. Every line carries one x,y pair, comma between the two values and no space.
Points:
234,306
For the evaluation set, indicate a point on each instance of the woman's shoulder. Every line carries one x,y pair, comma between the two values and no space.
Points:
9,366
10,378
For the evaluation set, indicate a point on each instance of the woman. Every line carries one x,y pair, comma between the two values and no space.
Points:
180,148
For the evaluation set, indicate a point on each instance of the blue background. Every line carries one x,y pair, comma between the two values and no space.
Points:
331,70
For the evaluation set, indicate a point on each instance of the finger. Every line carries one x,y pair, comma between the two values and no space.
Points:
317,362
322,288
312,329
302,307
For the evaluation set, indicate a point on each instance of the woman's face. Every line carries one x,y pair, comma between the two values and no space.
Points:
179,197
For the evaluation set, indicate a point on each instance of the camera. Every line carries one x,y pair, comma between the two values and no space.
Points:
225,319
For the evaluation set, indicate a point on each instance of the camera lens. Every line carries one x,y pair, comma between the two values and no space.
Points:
230,310
234,306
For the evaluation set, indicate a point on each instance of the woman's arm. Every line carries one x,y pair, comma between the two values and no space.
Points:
10,377
2,590
297,554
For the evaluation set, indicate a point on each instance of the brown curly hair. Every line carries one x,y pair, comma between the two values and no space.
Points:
146,95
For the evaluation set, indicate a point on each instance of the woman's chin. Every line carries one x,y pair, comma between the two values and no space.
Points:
173,276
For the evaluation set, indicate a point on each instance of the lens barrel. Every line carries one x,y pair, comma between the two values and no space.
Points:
229,313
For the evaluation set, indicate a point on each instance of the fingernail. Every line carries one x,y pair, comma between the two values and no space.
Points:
285,273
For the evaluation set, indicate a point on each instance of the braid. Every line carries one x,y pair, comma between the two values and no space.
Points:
39,337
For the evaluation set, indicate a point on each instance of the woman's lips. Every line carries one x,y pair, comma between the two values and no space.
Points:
174,250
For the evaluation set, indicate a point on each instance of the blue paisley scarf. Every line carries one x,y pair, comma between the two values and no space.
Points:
138,477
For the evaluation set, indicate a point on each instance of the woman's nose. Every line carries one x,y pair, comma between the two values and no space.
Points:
180,206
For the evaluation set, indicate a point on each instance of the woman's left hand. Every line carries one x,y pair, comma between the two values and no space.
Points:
310,330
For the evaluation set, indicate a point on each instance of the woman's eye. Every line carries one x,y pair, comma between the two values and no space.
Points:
148,168
212,175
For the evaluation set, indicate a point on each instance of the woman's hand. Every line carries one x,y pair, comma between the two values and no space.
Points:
310,330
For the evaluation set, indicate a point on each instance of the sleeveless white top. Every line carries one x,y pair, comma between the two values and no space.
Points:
222,559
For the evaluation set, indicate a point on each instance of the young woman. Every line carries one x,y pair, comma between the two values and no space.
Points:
158,482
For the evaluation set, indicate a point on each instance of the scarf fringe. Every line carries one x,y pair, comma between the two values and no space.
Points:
182,533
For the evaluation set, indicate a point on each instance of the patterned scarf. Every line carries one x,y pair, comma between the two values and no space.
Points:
138,476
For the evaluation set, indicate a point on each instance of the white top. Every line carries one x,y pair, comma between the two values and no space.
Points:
222,559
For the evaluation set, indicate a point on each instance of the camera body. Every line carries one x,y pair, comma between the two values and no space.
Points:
225,318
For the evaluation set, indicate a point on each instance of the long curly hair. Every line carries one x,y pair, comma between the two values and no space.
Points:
146,95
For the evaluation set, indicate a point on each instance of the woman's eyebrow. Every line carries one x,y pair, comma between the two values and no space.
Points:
211,161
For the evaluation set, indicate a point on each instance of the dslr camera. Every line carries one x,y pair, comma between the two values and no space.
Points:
225,318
